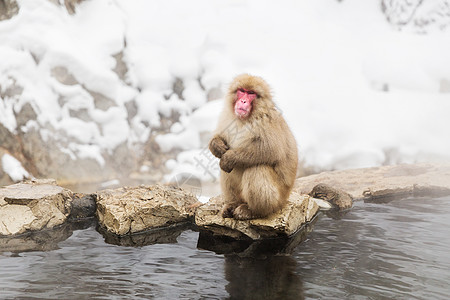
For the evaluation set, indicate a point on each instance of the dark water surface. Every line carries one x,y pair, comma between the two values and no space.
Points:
395,250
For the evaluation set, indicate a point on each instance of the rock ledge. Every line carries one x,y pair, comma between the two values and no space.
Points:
130,210
299,210
33,205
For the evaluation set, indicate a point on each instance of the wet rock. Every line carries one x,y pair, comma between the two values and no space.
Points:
337,197
207,240
299,210
373,184
83,206
33,205
166,235
134,209
43,240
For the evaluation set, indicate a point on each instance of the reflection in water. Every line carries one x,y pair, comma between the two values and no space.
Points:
85,267
396,250
380,251
273,277
166,235
254,249
44,240
260,269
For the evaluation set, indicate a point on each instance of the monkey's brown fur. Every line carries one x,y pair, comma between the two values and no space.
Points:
258,154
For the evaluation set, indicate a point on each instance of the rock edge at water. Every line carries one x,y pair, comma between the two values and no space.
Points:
33,205
40,204
299,210
380,183
130,210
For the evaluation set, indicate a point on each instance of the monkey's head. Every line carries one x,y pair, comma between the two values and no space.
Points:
248,93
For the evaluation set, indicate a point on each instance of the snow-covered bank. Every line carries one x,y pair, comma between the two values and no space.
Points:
355,90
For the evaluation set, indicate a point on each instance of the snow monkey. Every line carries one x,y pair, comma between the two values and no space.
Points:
257,151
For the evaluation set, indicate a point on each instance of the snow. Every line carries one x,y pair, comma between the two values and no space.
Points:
355,91
13,168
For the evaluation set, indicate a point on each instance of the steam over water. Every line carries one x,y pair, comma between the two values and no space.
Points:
395,250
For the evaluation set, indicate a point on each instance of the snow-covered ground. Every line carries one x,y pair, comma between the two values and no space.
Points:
355,91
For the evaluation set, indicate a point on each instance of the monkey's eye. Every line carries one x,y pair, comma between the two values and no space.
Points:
251,92
241,90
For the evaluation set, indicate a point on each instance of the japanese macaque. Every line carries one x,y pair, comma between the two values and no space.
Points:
257,151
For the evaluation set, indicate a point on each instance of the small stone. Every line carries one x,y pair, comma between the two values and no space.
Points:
335,196
83,206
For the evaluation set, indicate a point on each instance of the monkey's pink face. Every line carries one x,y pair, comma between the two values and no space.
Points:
243,104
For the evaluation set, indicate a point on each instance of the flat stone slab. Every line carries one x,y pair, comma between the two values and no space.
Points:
384,182
299,210
130,210
42,240
33,205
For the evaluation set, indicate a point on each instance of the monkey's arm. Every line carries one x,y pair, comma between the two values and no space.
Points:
258,152
218,146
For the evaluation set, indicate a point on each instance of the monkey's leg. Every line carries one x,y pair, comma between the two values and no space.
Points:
231,190
260,193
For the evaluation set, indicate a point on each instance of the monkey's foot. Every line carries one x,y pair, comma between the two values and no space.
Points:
228,210
242,212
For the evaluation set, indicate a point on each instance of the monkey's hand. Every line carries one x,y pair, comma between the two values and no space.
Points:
228,162
218,146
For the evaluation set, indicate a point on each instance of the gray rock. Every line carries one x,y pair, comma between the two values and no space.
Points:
82,114
47,158
129,210
63,75
121,68
299,210
132,110
337,197
207,240
42,240
396,181
33,205
25,114
101,101
178,87
165,235
83,206
8,9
